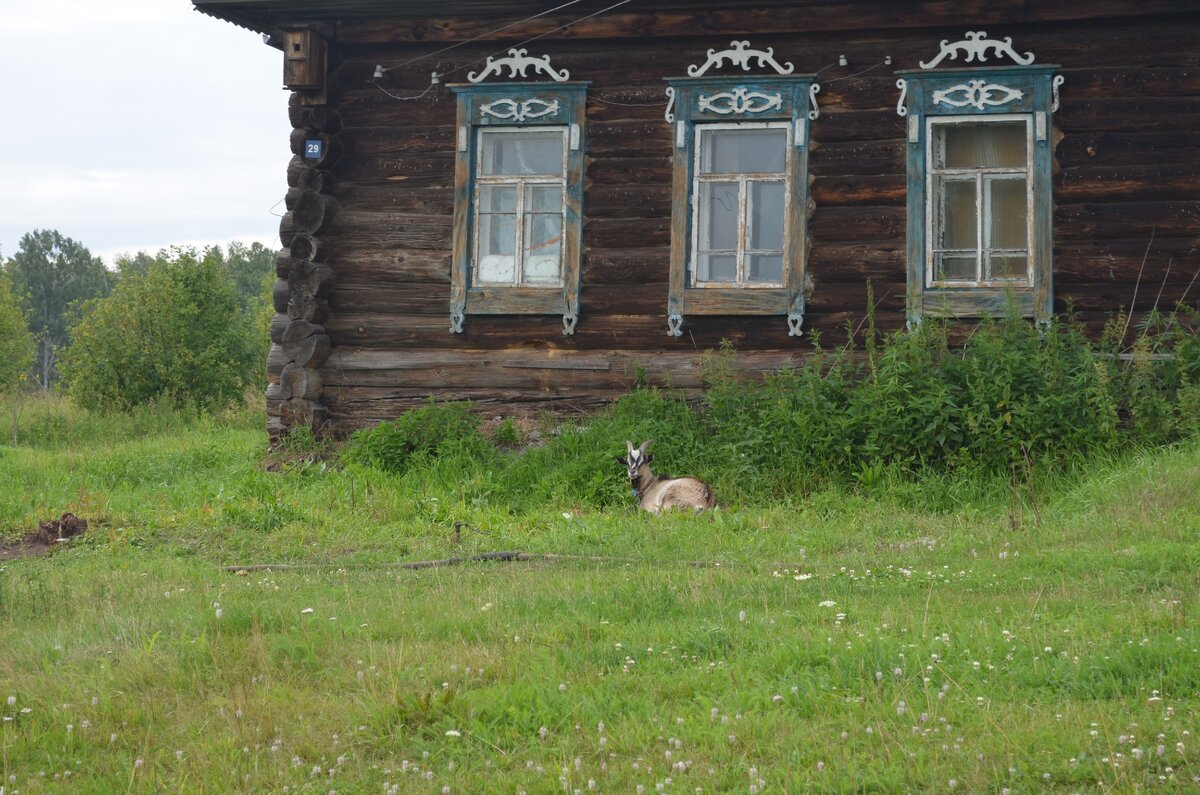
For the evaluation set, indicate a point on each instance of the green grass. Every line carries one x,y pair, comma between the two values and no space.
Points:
1007,637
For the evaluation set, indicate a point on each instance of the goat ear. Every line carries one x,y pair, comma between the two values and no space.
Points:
646,445
629,446
620,460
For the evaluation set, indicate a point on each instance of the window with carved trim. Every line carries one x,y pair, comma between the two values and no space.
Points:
518,197
740,210
980,154
740,179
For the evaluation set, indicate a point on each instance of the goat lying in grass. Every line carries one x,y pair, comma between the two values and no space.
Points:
656,493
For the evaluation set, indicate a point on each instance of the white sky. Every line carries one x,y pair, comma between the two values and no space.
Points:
137,124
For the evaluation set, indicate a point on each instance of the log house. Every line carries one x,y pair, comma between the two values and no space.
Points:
584,193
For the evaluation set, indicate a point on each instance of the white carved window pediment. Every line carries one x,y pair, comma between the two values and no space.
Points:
978,94
518,62
518,110
740,100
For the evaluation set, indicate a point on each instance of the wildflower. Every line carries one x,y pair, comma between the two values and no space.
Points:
827,603
741,615
306,611
12,701
453,733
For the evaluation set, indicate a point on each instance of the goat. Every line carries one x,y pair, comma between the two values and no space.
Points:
656,493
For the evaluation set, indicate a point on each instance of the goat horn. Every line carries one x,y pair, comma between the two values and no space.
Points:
629,445
646,445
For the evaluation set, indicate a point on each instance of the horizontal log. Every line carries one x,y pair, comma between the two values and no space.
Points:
283,264
297,412
386,230
312,212
309,277
858,224
400,140
396,197
305,343
305,247
843,191
1154,114
627,232
299,382
1129,149
353,408
1128,183
622,170
765,19
275,363
857,262
870,158
306,306
426,171
320,117
1078,222
877,124
636,332
630,266
1152,261
388,265
634,199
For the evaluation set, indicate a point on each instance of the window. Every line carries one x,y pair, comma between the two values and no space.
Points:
740,216
740,181
979,211
979,166
519,207
518,195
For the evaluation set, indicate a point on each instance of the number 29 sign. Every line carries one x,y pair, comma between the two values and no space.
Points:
313,149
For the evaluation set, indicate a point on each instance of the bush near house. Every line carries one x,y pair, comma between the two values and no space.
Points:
1011,399
175,333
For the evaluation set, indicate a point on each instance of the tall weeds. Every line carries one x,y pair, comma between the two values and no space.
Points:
1011,400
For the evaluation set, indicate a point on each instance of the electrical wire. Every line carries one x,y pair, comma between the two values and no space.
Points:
541,36
481,36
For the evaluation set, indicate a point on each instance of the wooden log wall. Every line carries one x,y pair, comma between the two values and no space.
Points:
375,340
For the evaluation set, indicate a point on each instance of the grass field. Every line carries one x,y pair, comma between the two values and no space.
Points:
919,636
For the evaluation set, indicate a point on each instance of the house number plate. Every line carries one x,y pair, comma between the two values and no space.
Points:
313,149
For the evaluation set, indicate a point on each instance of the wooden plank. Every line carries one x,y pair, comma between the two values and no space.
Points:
394,197
841,191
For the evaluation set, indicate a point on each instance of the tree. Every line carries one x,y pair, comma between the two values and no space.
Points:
252,269
50,273
176,333
16,343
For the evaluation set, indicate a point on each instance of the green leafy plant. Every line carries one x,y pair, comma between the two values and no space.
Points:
176,333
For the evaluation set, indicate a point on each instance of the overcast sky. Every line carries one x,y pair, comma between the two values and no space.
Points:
138,124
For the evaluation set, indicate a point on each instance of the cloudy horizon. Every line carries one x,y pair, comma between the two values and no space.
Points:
139,128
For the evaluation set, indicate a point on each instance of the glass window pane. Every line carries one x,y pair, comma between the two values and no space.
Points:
544,199
955,218
766,216
716,268
743,151
1009,266
991,145
523,153
952,267
718,216
765,268
497,248
543,242
1009,227
497,199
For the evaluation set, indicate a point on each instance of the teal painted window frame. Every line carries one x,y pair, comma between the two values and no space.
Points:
517,106
977,96
696,102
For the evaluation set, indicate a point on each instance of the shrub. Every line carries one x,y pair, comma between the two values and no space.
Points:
175,333
16,341
447,429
